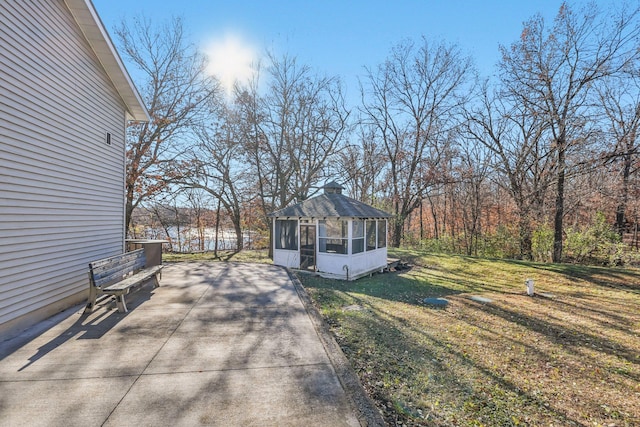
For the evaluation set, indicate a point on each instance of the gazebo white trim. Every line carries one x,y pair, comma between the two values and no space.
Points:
332,235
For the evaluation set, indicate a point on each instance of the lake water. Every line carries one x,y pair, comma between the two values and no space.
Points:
188,240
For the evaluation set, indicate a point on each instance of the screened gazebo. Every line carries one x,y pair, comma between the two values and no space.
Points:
331,234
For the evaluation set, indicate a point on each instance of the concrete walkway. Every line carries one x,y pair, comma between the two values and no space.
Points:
217,344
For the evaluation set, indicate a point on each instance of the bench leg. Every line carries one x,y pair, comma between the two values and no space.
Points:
122,305
93,295
156,281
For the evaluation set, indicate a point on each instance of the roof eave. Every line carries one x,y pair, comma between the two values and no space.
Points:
94,31
302,210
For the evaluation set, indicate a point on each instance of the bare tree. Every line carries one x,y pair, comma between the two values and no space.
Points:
171,217
552,71
472,171
291,132
515,139
171,77
360,164
412,101
620,99
198,204
215,164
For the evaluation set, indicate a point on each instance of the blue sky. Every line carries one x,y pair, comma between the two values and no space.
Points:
338,37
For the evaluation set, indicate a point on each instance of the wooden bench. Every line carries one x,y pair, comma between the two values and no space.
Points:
116,275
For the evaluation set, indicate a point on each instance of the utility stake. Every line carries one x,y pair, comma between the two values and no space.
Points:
529,284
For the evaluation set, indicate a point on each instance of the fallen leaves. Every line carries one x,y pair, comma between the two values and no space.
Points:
570,360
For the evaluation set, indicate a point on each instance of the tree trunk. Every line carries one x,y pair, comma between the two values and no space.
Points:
215,245
128,211
397,227
624,197
559,214
421,223
237,225
526,239
434,215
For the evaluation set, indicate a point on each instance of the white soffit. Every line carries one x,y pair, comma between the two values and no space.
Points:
87,18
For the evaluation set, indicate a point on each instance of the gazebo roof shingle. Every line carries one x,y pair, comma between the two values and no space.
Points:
330,205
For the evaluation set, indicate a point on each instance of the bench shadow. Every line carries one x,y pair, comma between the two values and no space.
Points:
94,325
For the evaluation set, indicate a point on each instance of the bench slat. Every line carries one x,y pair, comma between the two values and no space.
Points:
115,275
129,264
116,259
109,270
115,262
107,277
130,281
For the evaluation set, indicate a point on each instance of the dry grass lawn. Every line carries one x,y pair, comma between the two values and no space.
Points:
259,256
570,358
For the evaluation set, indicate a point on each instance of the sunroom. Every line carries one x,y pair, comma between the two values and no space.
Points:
331,234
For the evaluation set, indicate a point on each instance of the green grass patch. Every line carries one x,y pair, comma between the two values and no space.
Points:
259,256
569,358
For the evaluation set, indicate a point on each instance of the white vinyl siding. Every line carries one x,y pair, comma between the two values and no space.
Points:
61,185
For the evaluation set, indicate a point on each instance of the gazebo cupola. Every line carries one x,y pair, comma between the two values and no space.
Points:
332,234
332,188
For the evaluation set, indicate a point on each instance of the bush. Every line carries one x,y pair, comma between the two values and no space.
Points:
441,245
542,243
504,243
629,256
597,243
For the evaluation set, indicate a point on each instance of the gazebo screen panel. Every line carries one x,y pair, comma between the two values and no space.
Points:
382,233
286,235
371,235
333,236
357,236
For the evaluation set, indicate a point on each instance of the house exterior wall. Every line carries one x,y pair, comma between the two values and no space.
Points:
61,185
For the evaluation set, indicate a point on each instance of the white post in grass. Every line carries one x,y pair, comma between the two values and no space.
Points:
529,283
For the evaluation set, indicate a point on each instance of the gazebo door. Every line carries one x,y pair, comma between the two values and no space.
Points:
307,247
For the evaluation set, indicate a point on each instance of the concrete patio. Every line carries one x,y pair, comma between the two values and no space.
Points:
217,344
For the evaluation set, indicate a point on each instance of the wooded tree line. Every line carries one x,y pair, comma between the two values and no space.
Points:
519,164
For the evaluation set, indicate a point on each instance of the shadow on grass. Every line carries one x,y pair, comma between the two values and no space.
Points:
607,277
564,335
612,278
383,340
393,286
391,352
